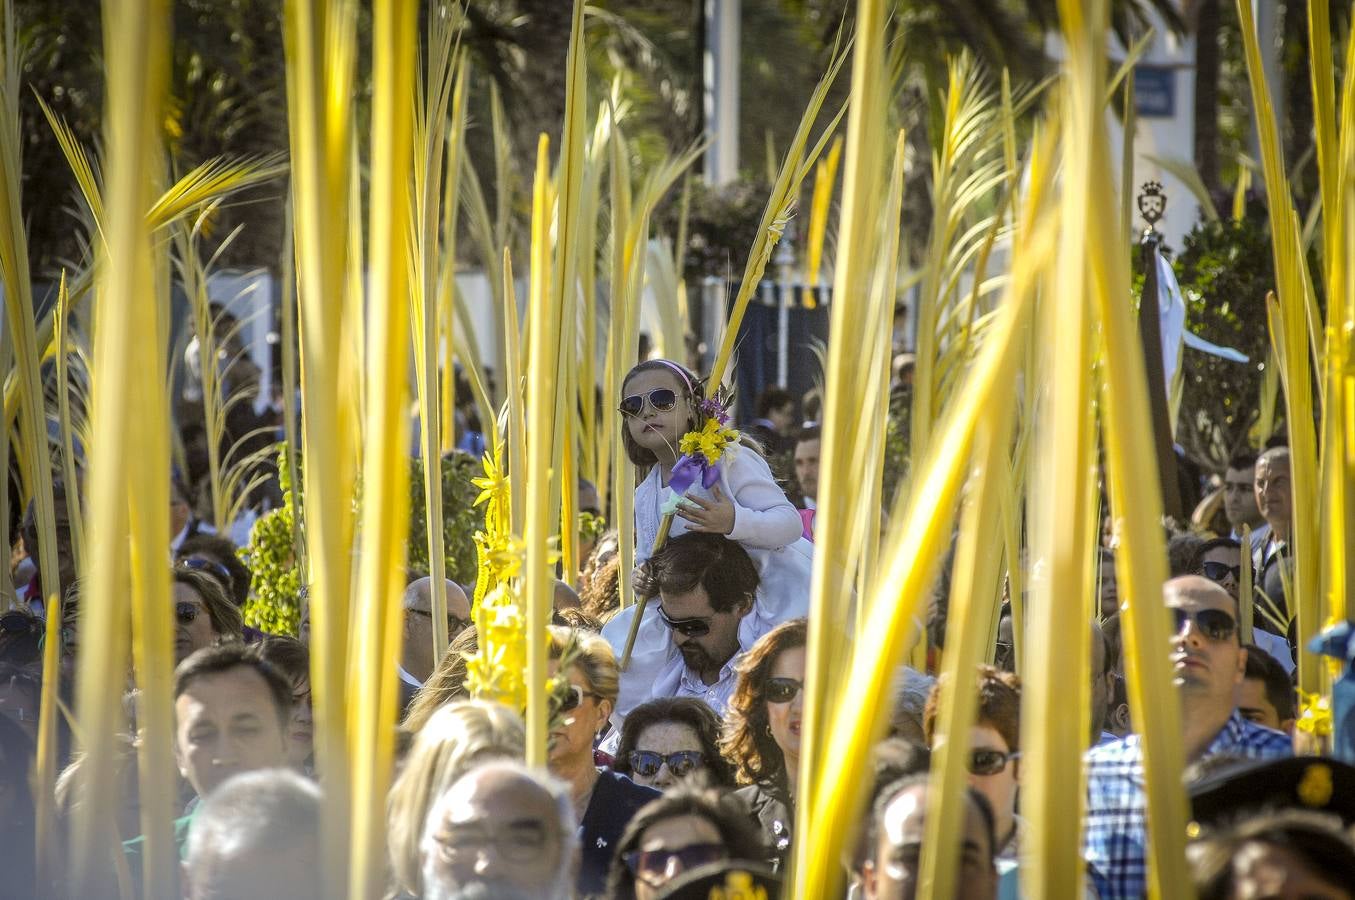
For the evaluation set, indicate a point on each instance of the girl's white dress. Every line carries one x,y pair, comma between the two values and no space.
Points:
767,526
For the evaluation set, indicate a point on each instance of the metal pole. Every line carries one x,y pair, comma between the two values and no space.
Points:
785,267
1152,203
721,100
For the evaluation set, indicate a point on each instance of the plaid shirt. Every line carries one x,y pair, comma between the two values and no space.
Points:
1114,837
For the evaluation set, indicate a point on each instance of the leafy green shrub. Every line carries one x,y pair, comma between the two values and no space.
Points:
274,605
459,517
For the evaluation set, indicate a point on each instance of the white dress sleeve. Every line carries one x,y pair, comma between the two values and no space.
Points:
763,517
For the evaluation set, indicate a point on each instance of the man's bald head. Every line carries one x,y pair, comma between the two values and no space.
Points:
1275,456
417,652
503,830
1199,589
565,597
419,598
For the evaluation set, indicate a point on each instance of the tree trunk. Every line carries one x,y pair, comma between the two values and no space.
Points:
543,40
1207,94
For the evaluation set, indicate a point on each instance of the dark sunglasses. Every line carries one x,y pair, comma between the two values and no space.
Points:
1214,624
662,399
662,864
203,564
783,690
186,612
989,762
647,763
574,698
1217,571
685,627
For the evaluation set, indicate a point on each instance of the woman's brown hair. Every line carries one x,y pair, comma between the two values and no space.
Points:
227,620
747,741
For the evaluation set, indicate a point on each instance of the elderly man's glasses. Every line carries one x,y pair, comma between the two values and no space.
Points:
646,763
662,399
695,627
1217,571
654,867
782,690
1214,624
454,625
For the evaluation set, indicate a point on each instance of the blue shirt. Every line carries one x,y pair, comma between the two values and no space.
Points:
1114,835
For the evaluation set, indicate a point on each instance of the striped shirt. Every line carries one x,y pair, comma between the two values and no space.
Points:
1114,833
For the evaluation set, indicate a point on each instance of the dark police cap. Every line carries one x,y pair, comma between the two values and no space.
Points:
1315,783
729,879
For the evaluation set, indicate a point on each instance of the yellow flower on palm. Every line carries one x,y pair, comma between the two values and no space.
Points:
710,442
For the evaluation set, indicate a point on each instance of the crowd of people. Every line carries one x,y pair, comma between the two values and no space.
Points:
677,773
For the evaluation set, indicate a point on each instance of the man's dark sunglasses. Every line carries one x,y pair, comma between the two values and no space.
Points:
989,762
1217,571
685,627
661,399
783,690
1214,624
647,763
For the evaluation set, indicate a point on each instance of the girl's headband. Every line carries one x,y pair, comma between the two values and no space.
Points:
682,373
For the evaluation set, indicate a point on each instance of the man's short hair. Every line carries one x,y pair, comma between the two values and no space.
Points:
222,658
266,809
697,559
809,433
1209,546
1182,551
1243,459
772,398
1264,668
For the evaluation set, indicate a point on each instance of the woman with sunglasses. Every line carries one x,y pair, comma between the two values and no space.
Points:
994,750
668,738
762,732
660,402
604,801
203,614
688,827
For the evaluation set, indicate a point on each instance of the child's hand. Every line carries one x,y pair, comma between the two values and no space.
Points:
715,516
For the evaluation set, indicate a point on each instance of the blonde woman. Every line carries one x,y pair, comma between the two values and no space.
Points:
455,739
604,801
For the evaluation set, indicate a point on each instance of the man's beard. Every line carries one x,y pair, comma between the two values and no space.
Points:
696,658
